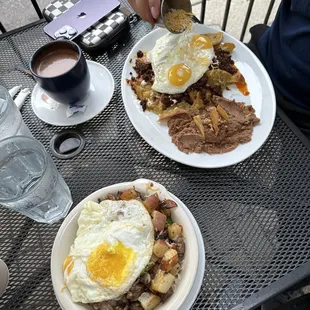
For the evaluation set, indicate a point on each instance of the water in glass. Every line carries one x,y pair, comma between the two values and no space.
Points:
30,182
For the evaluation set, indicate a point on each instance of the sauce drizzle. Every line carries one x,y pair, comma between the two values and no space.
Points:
243,88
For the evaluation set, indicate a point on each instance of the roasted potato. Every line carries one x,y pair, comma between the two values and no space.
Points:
129,194
149,301
154,258
162,282
170,259
160,248
175,270
159,220
174,231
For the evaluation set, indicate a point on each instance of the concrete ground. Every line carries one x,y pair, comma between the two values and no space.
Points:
16,13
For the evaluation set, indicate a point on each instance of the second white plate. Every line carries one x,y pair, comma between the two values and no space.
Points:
261,96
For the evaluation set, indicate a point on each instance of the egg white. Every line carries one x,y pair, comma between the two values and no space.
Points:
111,222
169,51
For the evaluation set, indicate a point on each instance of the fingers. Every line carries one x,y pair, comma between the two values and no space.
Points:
155,8
143,9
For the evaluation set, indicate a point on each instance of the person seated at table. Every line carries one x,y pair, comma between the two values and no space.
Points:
282,48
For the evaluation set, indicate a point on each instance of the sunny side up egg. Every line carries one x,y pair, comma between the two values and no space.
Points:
179,61
113,245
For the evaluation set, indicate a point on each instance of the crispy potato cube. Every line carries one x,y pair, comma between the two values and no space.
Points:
149,301
129,194
162,282
174,231
154,258
160,248
175,270
159,220
170,259
151,203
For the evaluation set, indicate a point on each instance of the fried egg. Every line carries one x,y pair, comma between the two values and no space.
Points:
179,61
113,245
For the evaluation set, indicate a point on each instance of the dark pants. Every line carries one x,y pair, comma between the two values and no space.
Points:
300,116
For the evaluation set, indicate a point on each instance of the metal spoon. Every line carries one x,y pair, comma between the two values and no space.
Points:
4,277
167,5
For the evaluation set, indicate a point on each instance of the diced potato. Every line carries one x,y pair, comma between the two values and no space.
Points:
174,231
151,203
170,259
160,248
175,270
149,301
129,194
162,282
154,258
159,220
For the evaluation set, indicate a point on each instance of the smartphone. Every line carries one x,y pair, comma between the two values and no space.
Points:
78,18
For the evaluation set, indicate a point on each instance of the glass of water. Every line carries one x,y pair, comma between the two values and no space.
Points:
30,182
11,122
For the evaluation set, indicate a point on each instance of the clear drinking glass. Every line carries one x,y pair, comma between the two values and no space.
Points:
30,182
11,122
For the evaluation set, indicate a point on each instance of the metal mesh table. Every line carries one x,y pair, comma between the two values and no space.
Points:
254,217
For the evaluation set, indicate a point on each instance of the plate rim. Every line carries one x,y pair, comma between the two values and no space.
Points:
194,290
37,87
174,158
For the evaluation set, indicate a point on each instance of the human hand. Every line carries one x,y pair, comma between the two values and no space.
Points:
149,10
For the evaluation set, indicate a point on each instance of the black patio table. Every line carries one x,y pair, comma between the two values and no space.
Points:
254,216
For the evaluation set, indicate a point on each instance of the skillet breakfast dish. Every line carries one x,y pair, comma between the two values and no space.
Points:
182,80
127,254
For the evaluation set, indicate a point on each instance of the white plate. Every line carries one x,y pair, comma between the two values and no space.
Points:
193,266
261,96
100,94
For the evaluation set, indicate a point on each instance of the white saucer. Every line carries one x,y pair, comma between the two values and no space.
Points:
100,94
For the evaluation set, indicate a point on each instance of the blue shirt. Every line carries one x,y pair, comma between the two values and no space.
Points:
285,48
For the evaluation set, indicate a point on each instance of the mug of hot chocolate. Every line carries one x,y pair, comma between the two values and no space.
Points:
61,71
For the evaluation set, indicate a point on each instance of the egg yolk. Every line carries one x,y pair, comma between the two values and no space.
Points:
201,42
179,74
68,263
109,265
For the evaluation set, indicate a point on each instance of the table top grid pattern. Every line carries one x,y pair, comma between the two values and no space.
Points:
254,216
